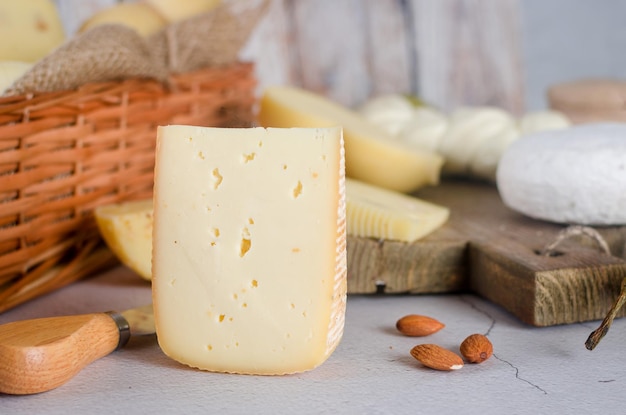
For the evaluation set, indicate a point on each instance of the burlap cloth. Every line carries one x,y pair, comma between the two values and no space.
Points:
115,52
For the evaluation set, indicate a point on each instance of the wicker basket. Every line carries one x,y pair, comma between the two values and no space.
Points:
62,154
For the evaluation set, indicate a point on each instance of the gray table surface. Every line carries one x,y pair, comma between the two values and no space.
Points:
533,370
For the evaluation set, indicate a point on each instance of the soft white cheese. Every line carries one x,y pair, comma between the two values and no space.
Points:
469,128
249,248
574,175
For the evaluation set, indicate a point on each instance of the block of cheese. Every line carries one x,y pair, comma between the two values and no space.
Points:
374,212
249,247
127,230
372,155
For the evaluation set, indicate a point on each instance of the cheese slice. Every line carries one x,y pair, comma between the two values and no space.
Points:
372,155
127,230
249,247
375,212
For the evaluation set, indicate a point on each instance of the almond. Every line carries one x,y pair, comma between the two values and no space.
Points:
476,348
417,326
436,357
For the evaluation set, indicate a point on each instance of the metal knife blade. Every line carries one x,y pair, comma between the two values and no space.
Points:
41,354
140,320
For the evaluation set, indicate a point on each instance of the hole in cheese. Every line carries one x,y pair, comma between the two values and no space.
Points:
297,191
244,247
246,242
217,178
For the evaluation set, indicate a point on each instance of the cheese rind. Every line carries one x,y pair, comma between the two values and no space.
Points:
249,247
372,155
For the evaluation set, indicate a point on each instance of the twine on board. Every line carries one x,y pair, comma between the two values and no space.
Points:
550,250
576,230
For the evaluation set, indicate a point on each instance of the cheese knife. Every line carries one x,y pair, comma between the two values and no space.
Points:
41,354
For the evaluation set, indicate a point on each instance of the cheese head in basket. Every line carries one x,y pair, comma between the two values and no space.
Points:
249,247
29,29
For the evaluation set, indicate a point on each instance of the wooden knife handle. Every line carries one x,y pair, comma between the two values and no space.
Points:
42,354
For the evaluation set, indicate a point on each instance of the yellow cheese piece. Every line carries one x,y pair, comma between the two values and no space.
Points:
127,230
138,16
372,155
177,10
249,244
29,29
11,71
375,212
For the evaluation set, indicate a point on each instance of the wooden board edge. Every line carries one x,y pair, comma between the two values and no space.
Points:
545,297
392,267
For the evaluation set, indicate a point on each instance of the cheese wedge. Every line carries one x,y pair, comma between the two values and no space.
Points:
372,155
249,244
374,212
127,230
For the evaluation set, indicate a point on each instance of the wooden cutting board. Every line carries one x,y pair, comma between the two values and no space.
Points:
491,250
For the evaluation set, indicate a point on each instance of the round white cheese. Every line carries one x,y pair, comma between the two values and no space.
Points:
575,175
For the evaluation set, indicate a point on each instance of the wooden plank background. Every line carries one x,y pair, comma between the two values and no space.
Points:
448,52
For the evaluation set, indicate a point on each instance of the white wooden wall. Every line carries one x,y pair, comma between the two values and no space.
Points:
449,52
